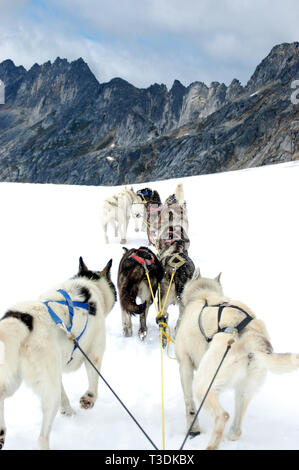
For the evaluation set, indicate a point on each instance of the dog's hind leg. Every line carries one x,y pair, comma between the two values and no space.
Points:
186,374
244,392
203,378
219,414
2,423
143,328
50,396
126,323
65,407
242,399
43,373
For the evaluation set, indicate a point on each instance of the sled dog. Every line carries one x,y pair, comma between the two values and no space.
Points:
210,319
173,234
132,283
117,210
174,259
174,211
153,205
37,351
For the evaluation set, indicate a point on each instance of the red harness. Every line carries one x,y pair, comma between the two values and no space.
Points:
142,261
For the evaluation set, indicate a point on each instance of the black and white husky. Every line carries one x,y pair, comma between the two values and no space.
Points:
34,349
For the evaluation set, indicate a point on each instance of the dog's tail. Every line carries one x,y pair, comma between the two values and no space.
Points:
278,363
179,194
129,291
13,332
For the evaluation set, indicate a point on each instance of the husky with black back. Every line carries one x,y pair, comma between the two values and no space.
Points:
36,347
133,284
175,260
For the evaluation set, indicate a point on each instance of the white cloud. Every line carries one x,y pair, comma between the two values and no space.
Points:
150,40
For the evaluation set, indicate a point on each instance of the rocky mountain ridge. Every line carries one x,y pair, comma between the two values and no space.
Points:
60,125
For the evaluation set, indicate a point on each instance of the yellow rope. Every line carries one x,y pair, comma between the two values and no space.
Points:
167,294
159,301
151,289
162,391
168,336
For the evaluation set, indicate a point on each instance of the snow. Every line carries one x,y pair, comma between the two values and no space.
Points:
243,223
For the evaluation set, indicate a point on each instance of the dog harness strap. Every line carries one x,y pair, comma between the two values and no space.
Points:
57,320
176,261
200,323
221,307
71,305
141,260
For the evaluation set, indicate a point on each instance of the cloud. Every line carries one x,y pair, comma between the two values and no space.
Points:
149,41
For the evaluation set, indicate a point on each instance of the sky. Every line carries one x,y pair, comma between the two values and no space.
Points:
149,41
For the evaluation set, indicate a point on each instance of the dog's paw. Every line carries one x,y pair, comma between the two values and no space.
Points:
142,333
193,434
2,438
87,401
43,443
67,411
234,435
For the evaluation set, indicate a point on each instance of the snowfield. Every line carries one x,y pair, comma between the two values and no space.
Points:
244,224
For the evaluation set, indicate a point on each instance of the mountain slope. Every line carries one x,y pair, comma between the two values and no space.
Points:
60,125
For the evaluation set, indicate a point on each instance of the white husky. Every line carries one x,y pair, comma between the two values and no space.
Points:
201,342
117,210
35,350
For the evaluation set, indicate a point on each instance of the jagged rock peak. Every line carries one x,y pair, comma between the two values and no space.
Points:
281,64
177,86
234,89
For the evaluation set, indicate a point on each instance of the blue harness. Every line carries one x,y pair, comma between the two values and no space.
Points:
71,305
145,193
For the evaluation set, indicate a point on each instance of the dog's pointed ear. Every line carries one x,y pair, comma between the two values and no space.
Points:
82,266
196,274
106,270
217,278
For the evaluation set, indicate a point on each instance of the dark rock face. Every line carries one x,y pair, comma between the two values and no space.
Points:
60,125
